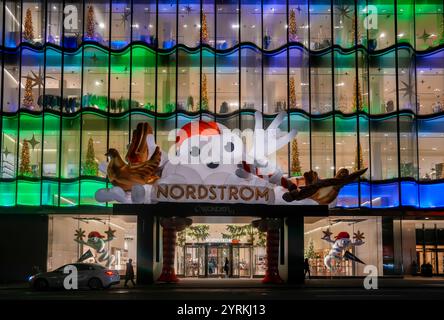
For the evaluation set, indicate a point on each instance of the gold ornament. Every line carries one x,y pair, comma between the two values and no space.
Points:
358,236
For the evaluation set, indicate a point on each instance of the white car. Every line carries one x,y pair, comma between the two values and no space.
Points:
89,275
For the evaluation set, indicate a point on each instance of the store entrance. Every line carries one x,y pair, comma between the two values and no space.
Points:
208,260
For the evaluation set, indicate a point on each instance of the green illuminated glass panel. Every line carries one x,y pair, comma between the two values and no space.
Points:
51,137
50,193
405,16
118,136
7,190
143,78
69,194
28,193
70,149
428,24
119,87
31,132
94,138
166,82
382,35
88,189
8,159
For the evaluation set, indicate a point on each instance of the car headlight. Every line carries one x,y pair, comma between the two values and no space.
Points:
30,278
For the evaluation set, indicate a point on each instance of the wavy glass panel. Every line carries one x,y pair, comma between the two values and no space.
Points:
51,150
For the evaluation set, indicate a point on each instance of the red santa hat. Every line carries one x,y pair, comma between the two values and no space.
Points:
95,234
342,235
197,128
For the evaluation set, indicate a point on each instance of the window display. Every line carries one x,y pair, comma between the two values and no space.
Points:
107,240
342,246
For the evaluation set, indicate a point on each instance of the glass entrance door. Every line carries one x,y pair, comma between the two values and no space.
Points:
216,259
194,261
208,260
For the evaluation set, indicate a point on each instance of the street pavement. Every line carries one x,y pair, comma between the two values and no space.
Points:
248,289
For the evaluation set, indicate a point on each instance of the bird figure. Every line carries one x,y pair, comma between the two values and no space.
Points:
125,176
139,169
323,191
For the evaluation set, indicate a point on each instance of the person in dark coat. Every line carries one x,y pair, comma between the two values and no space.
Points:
129,275
306,268
226,267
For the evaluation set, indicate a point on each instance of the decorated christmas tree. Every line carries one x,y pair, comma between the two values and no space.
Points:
357,100
204,92
91,168
310,252
355,34
359,160
295,163
90,23
25,168
292,93
204,28
28,98
292,30
28,33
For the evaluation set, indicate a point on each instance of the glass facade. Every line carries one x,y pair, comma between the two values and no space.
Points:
80,75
